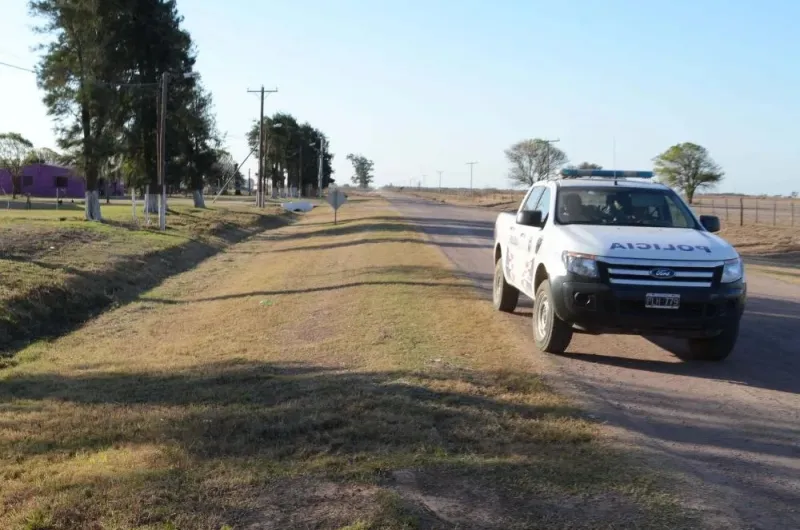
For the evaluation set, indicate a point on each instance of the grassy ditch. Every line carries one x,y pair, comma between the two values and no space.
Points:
57,270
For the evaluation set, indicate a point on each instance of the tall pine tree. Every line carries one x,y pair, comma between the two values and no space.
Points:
77,72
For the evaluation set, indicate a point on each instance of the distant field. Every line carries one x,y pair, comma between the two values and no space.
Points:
742,210
751,210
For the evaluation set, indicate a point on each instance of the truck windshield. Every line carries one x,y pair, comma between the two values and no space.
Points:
619,206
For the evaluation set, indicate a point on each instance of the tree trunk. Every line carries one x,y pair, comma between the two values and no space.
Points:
199,200
151,202
92,206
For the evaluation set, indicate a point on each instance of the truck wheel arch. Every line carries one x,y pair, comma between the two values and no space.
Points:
498,252
539,277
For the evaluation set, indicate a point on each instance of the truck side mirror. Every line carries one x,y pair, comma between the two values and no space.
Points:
710,223
529,218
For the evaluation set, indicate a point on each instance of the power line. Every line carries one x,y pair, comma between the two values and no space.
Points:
17,67
97,81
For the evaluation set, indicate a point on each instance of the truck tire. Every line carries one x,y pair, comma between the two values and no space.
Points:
504,295
715,348
550,333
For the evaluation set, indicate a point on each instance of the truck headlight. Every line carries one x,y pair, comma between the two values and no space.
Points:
580,264
733,270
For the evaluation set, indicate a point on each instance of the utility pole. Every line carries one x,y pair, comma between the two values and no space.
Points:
471,165
440,179
161,150
260,198
162,159
321,165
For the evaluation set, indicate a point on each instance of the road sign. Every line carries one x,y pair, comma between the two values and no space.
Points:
336,199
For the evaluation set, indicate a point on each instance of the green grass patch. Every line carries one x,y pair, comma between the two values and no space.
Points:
58,270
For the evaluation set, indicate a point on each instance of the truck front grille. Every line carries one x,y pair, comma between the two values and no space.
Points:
661,274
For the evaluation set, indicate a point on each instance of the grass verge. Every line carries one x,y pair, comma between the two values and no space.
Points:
58,270
315,376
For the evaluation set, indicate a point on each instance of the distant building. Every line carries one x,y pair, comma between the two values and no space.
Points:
43,180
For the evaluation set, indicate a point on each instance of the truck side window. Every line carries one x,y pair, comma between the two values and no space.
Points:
544,204
533,198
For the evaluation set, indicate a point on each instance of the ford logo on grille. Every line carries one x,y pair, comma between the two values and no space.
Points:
662,274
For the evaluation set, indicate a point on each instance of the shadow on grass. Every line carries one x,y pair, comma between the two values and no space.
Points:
406,276
429,226
335,287
492,442
55,311
374,241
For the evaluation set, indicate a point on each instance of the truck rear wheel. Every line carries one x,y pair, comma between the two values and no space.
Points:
550,333
715,348
504,295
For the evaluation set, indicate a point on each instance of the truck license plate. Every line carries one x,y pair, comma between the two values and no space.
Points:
662,301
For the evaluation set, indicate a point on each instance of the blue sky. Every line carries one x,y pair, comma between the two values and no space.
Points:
421,86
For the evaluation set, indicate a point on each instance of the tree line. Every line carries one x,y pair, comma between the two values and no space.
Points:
685,166
100,69
291,150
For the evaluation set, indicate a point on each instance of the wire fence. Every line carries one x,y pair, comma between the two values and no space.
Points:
744,211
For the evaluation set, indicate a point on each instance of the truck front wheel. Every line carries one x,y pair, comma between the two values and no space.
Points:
715,348
504,295
550,333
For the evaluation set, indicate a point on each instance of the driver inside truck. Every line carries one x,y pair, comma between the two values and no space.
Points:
619,206
574,210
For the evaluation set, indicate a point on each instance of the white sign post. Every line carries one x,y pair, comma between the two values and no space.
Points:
336,198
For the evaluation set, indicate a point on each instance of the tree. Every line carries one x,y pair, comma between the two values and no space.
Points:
155,43
292,151
197,146
14,151
363,170
589,165
78,73
222,169
688,167
44,155
533,160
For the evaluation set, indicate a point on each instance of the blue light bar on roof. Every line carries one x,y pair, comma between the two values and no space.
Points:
607,173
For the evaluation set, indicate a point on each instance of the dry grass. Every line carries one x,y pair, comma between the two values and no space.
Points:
58,270
315,376
497,200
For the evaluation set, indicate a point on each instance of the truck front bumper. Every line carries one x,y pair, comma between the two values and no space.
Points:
595,307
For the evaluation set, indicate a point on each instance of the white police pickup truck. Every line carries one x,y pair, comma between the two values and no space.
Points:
604,251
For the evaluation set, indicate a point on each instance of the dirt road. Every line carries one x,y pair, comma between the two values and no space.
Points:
730,431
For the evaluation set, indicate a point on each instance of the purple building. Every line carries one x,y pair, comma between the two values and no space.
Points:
42,180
